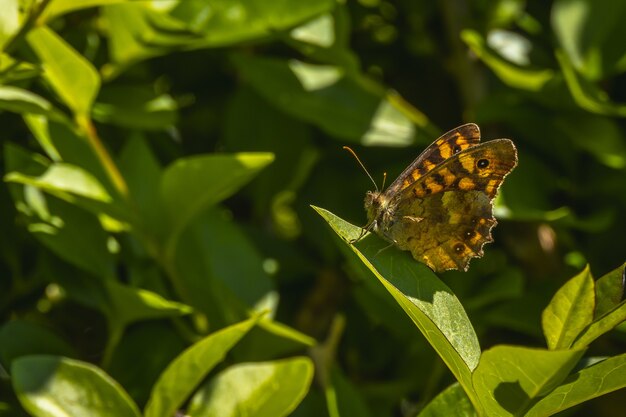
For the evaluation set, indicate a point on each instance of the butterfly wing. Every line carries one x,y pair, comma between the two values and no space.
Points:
446,146
445,217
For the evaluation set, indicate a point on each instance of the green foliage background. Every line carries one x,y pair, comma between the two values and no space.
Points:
160,160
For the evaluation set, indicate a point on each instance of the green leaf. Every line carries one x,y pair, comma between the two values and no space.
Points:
52,386
602,325
264,389
61,179
509,379
139,31
21,338
135,107
19,100
129,304
130,354
225,22
347,106
58,8
343,398
601,378
71,76
511,74
569,311
586,94
451,402
191,185
429,303
9,20
74,235
185,372
589,36
142,172
610,290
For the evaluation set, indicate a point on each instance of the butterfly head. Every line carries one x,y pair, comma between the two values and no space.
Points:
375,205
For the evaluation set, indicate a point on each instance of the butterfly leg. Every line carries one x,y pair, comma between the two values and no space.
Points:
384,249
367,228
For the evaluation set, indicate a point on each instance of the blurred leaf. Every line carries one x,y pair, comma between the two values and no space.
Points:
57,8
509,379
427,300
52,386
452,402
271,389
505,286
569,311
142,172
9,20
586,94
71,76
139,31
326,38
319,31
131,354
135,107
511,74
610,290
63,143
350,401
589,35
346,106
225,22
132,304
592,382
193,184
276,187
76,237
75,186
185,372
62,179
607,145
23,101
21,338
230,257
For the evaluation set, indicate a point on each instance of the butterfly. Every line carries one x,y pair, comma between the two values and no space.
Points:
440,207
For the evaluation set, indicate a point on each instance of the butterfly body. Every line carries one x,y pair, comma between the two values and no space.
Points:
440,207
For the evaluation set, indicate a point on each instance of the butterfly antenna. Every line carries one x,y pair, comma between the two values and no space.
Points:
384,180
362,166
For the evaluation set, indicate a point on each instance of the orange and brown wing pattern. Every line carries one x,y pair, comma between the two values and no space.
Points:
446,216
449,144
445,230
482,167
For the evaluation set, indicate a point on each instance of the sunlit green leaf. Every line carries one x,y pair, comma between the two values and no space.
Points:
429,303
53,386
71,76
610,290
264,389
569,311
509,379
599,379
185,372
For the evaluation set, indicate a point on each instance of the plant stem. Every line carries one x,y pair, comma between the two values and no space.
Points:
84,122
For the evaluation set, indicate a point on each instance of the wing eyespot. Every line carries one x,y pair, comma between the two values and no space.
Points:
482,163
459,248
456,149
